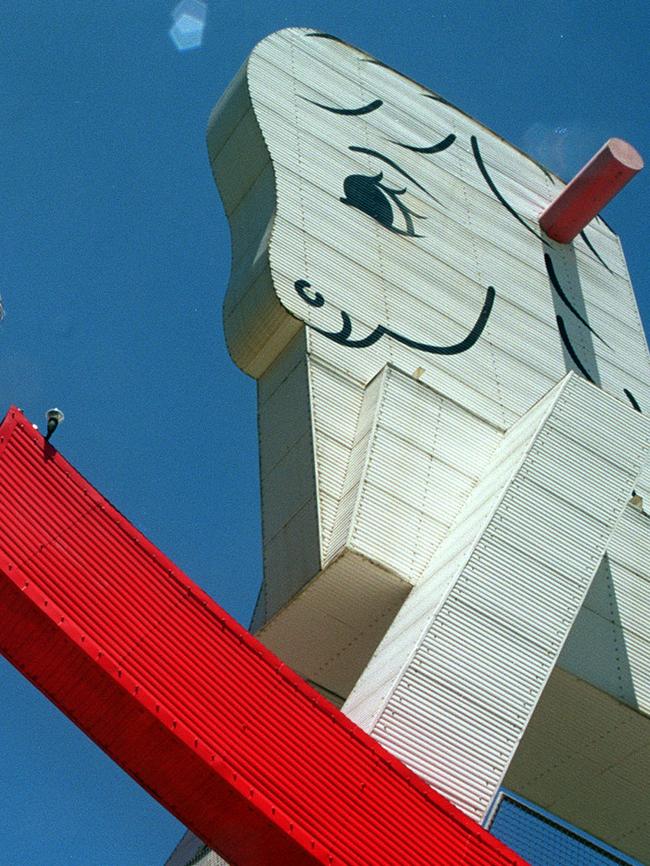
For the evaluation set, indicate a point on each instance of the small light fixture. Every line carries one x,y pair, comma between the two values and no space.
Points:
54,418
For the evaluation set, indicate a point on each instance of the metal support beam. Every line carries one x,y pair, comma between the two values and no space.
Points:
212,724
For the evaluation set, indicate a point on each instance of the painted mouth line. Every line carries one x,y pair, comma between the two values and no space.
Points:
343,336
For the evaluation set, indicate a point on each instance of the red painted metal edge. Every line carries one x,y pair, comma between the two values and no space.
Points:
206,719
591,189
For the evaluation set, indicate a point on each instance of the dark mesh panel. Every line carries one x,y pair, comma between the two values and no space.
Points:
545,841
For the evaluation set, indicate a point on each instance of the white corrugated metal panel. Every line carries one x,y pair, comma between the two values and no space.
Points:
229,110
428,287
291,559
416,616
513,359
609,644
465,393
630,544
623,596
284,418
384,496
251,220
287,486
586,757
410,472
334,433
470,239
253,297
398,486
477,659
413,409
329,389
596,652
387,528
290,514
235,176
608,418
283,366
357,460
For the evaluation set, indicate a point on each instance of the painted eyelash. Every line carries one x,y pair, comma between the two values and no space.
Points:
351,112
594,251
630,396
392,164
434,148
495,190
319,35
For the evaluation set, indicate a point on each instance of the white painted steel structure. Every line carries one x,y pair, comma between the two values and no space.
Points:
585,757
453,684
436,489
282,158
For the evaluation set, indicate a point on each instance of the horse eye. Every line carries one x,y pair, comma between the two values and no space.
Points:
369,195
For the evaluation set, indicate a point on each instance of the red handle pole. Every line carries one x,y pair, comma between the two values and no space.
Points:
591,189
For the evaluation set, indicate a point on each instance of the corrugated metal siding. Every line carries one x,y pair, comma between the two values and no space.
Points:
453,684
227,738
329,631
290,525
420,465
585,756
280,162
414,460
355,469
334,435
609,644
431,288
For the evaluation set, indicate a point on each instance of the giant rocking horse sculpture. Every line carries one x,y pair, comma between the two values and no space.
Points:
453,461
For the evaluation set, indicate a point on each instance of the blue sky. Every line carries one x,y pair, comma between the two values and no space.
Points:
115,258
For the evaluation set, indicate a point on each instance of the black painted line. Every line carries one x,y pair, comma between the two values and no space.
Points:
378,63
630,396
301,287
464,344
567,343
354,112
594,251
434,148
392,164
343,336
437,98
482,168
558,288
326,36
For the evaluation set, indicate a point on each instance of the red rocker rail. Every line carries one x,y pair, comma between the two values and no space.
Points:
184,699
